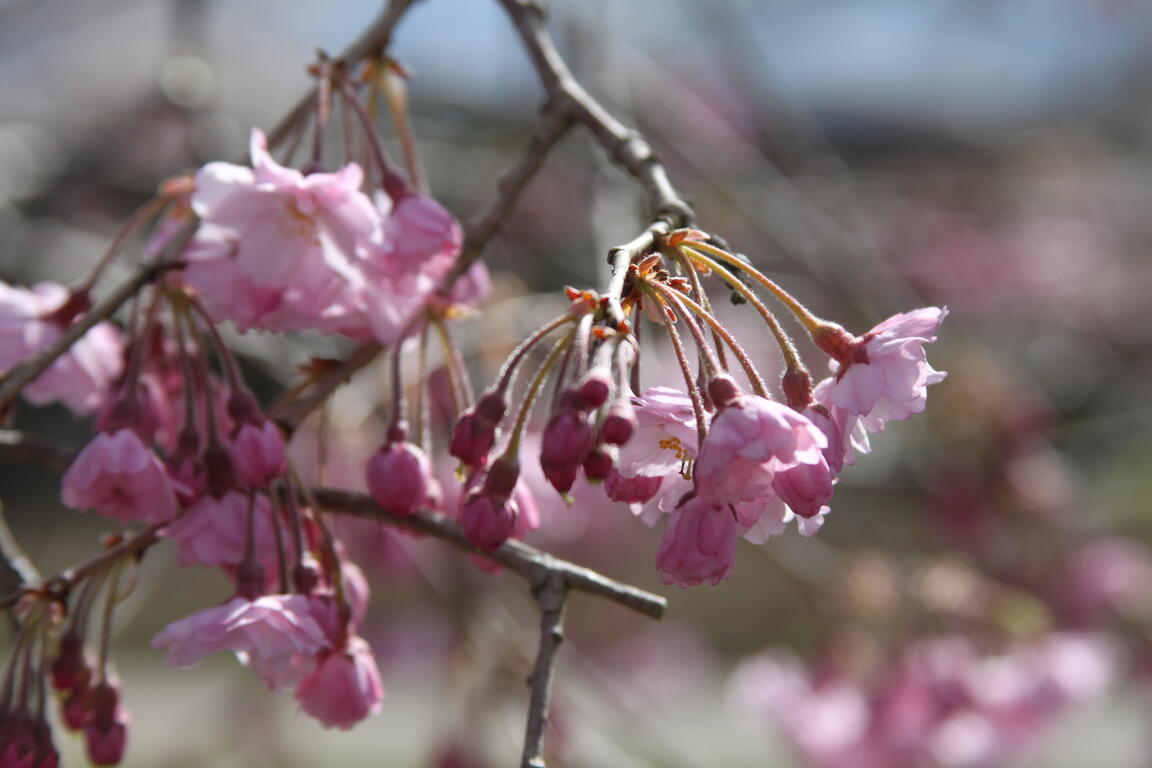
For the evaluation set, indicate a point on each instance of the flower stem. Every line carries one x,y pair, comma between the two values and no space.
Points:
806,318
533,390
508,370
723,333
791,356
686,369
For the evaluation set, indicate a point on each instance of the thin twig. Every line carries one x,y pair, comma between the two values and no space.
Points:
26,372
550,595
553,124
518,557
372,43
291,414
63,583
626,147
16,569
16,446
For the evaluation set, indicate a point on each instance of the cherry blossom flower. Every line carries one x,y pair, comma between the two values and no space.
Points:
275,635
120,477
887,375
699,545
257,452
281,250
214,531
344,688
748,443
82,377
653,463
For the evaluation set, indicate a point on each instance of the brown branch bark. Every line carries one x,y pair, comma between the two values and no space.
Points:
520,558
551,595
626,147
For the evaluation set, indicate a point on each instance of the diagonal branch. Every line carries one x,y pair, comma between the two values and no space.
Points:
625,147
520,558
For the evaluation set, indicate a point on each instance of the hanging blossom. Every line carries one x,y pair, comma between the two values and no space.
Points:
883,375
31,320
282,250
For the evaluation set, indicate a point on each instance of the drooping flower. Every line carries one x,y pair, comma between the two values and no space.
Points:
275,635
214,531
281,250
81,378
653,463
120,477
257,452
421,241
398,477
885,375
699,545
749,442
344,688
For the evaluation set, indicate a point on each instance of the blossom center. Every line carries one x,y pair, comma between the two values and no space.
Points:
293,222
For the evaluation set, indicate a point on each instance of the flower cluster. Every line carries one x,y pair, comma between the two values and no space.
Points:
942,702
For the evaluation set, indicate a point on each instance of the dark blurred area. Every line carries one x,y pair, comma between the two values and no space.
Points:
994,156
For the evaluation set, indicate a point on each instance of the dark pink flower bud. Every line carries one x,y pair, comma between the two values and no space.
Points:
722,390
561,476
565,444
488,520
76,709
631,490
17,738
243,408
475,432
398,476
70,665
106,743
598,464
797,386
250,578
595,388
257,453
44,751
500,480
619,424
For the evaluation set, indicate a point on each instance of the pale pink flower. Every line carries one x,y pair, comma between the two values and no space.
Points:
279,249
891,381
662,446
344,688
120,477
257,451
214,531
82,377
421,242
748,443
699,545
275,635
850,435
398,477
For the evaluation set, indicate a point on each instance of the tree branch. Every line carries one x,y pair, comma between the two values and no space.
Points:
625,147
372,43
550,595
16,569
520,558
